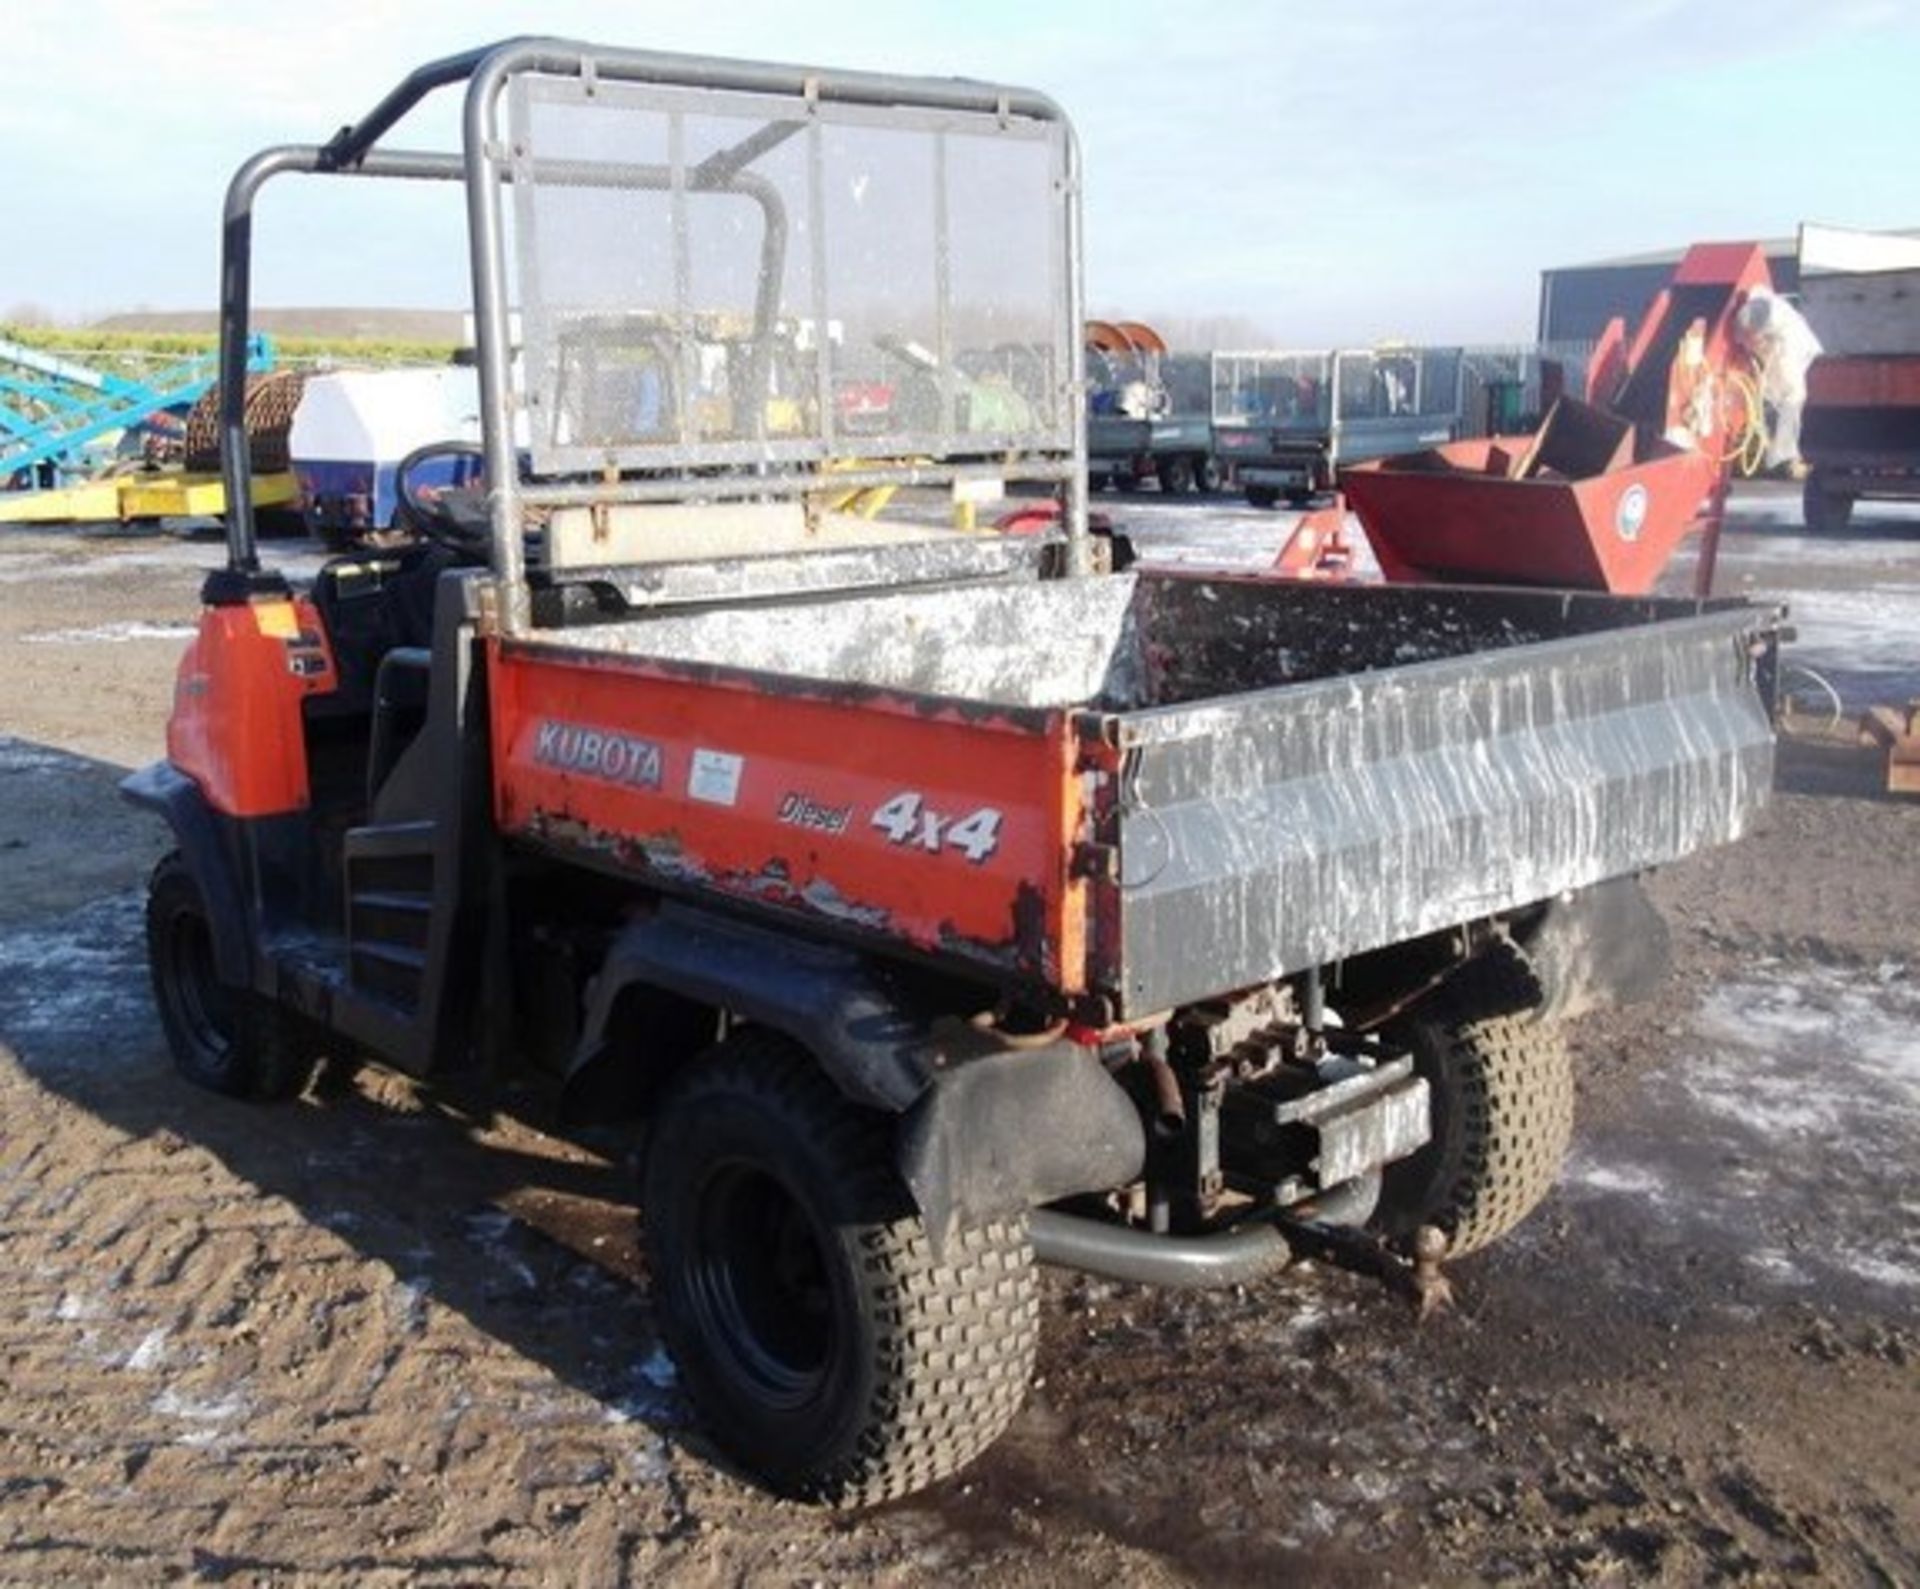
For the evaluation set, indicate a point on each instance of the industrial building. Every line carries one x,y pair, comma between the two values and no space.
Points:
1577,301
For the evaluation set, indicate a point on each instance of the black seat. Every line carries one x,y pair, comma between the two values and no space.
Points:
371,603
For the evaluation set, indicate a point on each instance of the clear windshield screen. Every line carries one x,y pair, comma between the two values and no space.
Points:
715,279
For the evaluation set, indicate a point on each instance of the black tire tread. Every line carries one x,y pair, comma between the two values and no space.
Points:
960,1332
267,1061
1517,1094
1509,1077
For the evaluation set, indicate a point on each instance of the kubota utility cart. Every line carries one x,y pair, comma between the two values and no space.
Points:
929,901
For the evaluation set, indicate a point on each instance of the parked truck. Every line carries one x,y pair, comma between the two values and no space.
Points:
927,904
1860,433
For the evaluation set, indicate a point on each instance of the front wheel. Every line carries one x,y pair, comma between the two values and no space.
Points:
825,1347
224,1038
1502,1098
1262,496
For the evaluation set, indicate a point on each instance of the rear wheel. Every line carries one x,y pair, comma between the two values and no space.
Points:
1826,511
1207,475
224,1038
1502,1091
825,1347
1176,475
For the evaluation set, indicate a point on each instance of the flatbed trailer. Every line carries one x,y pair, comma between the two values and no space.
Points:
926,903
1178,451
1148,414
1285,423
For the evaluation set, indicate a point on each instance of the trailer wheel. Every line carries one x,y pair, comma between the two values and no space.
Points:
1827,512
1176,475
1502,1089
227,1039
1208,477
1262,496
824,1346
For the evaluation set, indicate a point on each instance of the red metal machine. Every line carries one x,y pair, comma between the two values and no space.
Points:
1602,495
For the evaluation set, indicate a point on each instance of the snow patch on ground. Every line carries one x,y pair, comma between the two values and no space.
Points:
168,551
649,1393
65,982
1797,1087
206,1420
149,1354
1625,1180
111,634
1866,643
1224,534
20,755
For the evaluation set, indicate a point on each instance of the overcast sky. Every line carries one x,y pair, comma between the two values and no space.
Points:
1329,173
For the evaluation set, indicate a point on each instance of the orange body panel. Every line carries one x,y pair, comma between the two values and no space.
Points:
236,726
950,830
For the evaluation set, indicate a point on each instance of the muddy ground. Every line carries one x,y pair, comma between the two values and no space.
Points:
377,1336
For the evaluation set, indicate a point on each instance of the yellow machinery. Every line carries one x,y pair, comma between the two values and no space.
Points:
162,494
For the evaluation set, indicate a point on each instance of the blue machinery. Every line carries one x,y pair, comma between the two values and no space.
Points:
53,408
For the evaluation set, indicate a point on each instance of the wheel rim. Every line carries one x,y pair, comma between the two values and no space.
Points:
199,1000
759,1285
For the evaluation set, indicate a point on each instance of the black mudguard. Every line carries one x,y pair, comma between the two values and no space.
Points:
1602,946
986,1130
205,842
1009,1131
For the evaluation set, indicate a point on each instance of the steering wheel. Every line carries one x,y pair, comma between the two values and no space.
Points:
453,516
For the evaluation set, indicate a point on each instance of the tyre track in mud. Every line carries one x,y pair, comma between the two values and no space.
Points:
190,1359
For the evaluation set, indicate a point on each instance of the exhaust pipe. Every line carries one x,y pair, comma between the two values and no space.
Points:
1227,1258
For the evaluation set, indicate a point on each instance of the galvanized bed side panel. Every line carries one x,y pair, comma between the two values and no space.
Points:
1291,828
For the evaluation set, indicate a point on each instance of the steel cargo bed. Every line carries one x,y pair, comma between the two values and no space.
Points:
1145,790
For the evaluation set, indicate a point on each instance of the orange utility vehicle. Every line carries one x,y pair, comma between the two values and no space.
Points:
932,901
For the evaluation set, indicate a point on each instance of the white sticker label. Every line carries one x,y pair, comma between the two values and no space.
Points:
1630,517
715,777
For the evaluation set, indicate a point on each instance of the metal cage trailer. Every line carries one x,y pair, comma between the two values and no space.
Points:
1286,423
